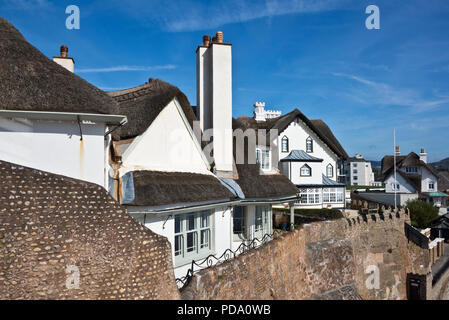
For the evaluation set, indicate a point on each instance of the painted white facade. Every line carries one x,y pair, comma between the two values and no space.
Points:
402,185
167,145
359,172
297,133
214,98
55,146
312,186
427,179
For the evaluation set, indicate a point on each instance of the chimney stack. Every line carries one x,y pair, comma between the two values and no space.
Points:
214,98
398,151
206,40
423,155
63,60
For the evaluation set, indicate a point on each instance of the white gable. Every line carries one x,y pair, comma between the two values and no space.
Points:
167,145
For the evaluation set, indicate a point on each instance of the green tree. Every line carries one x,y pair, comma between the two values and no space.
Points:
422,213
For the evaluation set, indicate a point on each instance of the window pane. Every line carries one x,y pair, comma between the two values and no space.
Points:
178,245
178,224
191,241
258,218
191,222
239,220
205,235
204,219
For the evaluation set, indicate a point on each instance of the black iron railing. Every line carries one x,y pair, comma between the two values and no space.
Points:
229,254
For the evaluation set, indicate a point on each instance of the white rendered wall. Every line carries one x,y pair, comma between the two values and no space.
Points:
297,133
315,178
55,147
426,178
220,225
167,145
404,185
222,105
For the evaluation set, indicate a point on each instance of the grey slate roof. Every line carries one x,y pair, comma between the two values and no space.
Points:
301,156
325,182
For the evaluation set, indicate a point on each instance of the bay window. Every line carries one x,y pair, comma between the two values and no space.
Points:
192,236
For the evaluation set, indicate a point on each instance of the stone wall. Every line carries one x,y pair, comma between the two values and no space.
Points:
321,260
62,238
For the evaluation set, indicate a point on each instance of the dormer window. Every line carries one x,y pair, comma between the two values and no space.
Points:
263,158
309,145
306,171
285,144
431,186
411,170
330,171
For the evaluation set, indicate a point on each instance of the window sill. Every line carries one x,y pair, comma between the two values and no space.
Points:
188,260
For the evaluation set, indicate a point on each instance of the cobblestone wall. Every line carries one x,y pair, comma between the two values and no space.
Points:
62,238
321,260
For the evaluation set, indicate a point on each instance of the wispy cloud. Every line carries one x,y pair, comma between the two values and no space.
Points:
385,94
27,5
126,68
190,15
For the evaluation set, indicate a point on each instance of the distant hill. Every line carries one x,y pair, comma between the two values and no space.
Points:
375,164
441,165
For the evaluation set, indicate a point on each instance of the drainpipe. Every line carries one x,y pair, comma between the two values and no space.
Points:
292,216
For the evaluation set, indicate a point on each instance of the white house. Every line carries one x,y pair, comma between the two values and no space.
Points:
163,171
51,119
358,172
305,151
413,176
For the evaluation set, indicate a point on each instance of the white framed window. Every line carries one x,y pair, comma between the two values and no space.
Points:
262,223
309,145
239,224
306,171
333,195
263,158
330,171
284,142
310,196
411,170
193,234
395,186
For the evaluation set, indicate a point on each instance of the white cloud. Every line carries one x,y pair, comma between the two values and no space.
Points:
384,94
126,68
189,15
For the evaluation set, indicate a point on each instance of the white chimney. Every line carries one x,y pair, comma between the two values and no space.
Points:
423,155
65,61
398,151
214,97
259,111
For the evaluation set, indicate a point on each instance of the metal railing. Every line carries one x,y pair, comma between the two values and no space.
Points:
228,254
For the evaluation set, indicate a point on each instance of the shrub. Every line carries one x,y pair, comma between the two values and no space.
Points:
422,213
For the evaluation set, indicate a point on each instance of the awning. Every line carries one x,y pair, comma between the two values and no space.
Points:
438,194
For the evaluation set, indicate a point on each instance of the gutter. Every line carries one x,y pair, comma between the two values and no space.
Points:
179,209
269,200
65,116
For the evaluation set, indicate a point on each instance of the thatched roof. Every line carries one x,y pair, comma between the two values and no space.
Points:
255,184
443,181
143,104
50,222
29,81
281,123
410,160
155,188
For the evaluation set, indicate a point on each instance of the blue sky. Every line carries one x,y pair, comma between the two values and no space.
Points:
316,56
